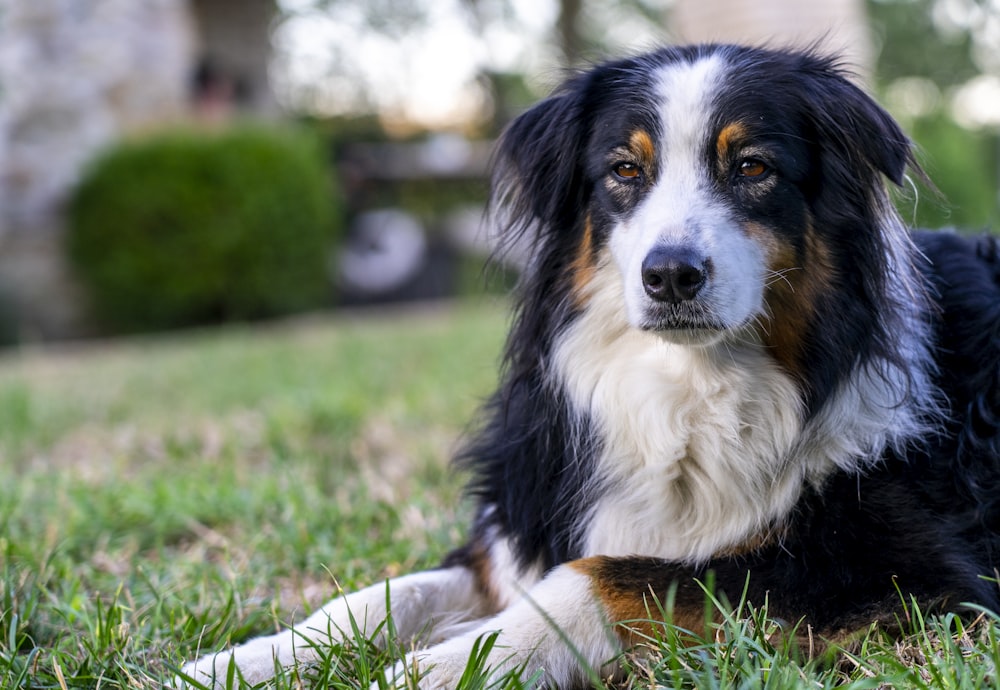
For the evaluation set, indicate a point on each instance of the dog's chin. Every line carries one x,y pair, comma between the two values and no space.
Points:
690,335
695,323
686,326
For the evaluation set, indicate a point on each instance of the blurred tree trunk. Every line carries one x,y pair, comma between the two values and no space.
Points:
571,41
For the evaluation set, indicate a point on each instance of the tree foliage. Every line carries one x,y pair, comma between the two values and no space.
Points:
911,44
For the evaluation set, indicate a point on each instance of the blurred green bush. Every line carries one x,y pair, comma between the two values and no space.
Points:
186,228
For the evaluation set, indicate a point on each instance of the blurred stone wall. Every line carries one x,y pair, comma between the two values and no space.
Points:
76,75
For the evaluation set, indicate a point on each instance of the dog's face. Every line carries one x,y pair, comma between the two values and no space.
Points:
728,187
697,204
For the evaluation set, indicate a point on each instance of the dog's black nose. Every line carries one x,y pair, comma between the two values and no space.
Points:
673,274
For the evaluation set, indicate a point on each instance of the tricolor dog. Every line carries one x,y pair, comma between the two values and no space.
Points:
728,355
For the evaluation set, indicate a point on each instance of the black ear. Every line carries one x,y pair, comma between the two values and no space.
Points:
856,127
538,170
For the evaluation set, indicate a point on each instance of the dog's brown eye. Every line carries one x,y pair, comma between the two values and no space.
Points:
752,167
626,171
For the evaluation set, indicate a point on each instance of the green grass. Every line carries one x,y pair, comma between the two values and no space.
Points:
164,495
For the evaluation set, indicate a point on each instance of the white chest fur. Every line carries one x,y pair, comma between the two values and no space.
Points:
701,446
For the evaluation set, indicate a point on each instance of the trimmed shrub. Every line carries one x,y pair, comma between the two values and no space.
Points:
187,228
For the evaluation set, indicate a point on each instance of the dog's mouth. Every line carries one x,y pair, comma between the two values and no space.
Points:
681,317
685,323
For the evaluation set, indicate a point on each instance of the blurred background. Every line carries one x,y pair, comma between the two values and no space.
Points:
176,163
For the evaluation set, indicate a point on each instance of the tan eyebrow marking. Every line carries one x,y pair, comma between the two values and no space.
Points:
728,137
641,144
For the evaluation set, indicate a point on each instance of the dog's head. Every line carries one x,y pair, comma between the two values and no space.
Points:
735,192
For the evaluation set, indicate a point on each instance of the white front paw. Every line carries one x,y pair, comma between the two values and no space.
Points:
210,670
427,671
250,663
442,666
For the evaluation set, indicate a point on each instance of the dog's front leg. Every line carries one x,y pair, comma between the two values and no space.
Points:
420,603
570,628
560,627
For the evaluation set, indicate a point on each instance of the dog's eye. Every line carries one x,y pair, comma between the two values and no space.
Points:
751,167
626,171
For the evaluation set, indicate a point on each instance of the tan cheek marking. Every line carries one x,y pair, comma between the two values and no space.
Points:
773,247
795,285
584,265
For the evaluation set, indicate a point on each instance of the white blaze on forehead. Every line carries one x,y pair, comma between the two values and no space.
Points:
687,91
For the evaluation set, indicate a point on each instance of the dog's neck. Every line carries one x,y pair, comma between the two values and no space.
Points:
704,450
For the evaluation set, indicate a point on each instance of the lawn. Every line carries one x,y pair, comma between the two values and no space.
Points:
164,495
151,486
